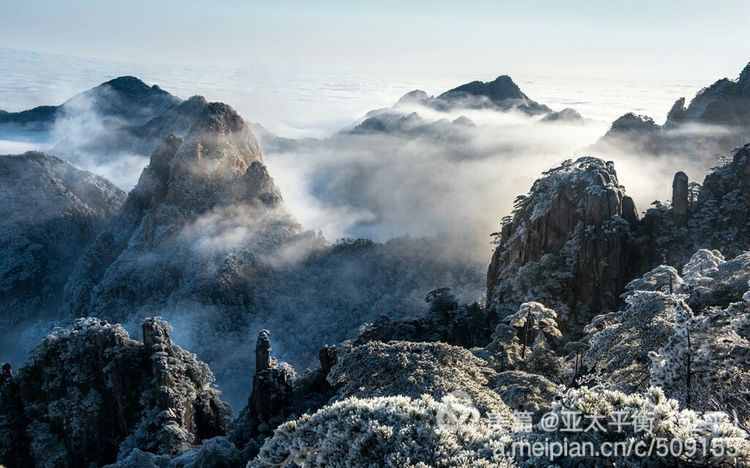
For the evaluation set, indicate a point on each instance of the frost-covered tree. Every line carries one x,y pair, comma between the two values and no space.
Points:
534,319
706,362
524,341
412,369
642,418
389,432
663,278
620,342
576,350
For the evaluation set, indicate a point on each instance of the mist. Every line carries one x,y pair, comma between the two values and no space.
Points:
450,180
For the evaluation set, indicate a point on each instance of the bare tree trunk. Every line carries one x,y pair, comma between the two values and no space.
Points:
525,338
689,363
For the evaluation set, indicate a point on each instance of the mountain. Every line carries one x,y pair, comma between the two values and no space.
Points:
119,102
205,240
501,94
711,215
49,213
575,240
213,175
716,121
90,392
726,102
591,309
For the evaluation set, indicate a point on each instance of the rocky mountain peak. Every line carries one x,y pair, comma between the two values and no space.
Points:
678,111
501,93
218,162
90,393
632,122
569,237
133,86
414,97
501,89
744,80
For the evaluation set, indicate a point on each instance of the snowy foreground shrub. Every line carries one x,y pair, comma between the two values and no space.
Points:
672,431
620,342
523,391
391,432
380,369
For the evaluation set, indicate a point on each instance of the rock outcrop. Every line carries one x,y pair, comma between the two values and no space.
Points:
569,245
711,216
90,395
567,115
680,198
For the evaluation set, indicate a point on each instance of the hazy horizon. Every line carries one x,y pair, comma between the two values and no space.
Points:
319,104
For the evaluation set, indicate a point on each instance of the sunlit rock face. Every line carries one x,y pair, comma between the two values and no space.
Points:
569,244
169,241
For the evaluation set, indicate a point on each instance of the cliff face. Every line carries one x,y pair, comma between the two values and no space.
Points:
49,213
90,393
569,245
575,240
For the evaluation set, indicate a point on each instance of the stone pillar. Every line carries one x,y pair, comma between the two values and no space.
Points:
156,334
680,198
328,357
263,351
629,212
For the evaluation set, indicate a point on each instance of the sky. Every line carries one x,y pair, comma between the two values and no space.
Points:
308,68
664,39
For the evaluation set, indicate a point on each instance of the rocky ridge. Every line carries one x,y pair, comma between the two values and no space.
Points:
715,122
50,212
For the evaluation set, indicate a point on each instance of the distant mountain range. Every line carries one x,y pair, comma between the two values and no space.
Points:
715,121
124,101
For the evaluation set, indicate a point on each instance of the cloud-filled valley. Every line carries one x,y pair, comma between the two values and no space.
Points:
490,238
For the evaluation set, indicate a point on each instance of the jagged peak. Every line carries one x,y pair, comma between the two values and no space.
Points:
587,174
416,96
744,79
132,85
219,133
218,117
501,88
632,122
217,163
